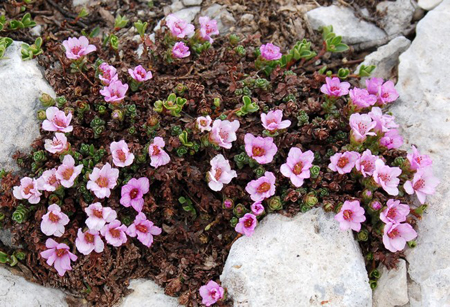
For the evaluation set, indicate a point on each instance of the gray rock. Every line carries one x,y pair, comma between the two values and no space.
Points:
80,2
398,15
15,291
300,261
225,20
345,23
188,14
424,113
21,85
385,58
148,294
176,6
36,31
428,4
392,288
192,2
247,18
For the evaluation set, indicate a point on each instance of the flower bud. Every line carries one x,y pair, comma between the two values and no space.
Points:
233,222
41,115
216,102
61,102
47,100
373,284
240,210
275,203
102,110
328,206
363,235
375,205
228,204
412,243
310,200
375,274
117,115
367,196
82,106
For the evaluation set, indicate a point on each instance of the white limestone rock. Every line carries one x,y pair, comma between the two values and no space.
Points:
385,58
22,83
15,291
423,114
398,15
345,23
192,2
188,14
302,261
148,294
428,4
392,288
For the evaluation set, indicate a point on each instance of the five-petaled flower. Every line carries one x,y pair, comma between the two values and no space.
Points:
343,163
418,161
220,173
384,122
180,50
77,48
204,123
270,52
53,222
58,144
179,27
67,172
423,184
158,157
351,215
273,121
48,181
334,87
28,189
57,120
223,132
108,74
59,256
139,74
211,293
208,28
115,233
257,208
89,241
261,188
98,216
396,235
395,212
366,163
261,149
121,154
114,92
362,126
143,229
387,177
297,166
101,181
133,193
246,224
361,98
391,139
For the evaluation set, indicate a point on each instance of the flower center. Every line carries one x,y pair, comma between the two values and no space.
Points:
59,122
218,173
134,193
263,187
115,232
141,73
141,228
258,151
53,217
121,155
156,150
298,168
61,252
334,88
203,123
76,49
419,184
28,188
248,223
362,127
367,165
98,213
89,237
67,173
385,177
102,182
393,234
52,180
223,135
347,214
342,162
392,213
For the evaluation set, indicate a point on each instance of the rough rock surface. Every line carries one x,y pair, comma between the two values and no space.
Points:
398,15
192,2
21,85
392,289
15,291
386,58
424,114
429,4
303,261
345,23
148,294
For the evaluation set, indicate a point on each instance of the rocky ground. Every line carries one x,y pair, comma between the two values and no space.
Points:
316,265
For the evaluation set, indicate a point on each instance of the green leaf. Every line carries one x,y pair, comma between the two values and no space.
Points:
343,73
341,48
365,71
95,32
83,13
120,22
38,42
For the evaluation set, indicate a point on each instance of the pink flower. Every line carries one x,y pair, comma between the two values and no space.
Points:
28,189
375,205
58,144
223,132
67,172
133,193
261,149
77,47
115,91
272,121
59,256
261,188
257,208
139,74
211,293
366,163
387,93
180,50
423,184
391,139
53,222
157,154
98,216
418,161
396,235
89,241
114,233
361,125
395,212
204,123
334,87
103,180
383,122
48,181
297,166
343,163
361,98
373,85
351,216
179,27
208,28
57,120
220,173
108,74
386,177
144,229
121,154
270,52
246,224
